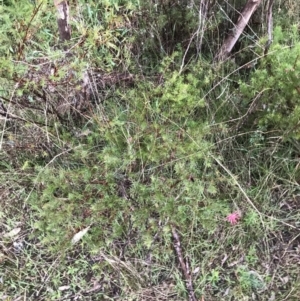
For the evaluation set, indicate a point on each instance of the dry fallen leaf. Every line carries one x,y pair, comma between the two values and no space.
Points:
79,235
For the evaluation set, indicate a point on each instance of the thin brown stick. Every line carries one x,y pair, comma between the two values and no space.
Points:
184,265
25,37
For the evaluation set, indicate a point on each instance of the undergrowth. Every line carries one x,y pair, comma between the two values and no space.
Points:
95,198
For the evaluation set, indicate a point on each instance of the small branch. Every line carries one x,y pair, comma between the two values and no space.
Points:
184,265
25,37
23,105
15,117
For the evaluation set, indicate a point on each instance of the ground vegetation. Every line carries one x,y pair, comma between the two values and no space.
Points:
149,150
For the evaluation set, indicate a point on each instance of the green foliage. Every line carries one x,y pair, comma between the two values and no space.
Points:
155,161
23,30
105,33
276,85
250,280
182,145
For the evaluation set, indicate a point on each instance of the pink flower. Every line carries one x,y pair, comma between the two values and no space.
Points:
233,218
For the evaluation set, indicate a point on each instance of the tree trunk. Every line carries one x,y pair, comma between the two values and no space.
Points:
64,27
242,22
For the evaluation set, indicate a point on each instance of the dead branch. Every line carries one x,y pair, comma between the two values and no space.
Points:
6,115
184,265
242,22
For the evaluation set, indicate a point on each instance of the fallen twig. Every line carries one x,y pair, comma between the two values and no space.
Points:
184,265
